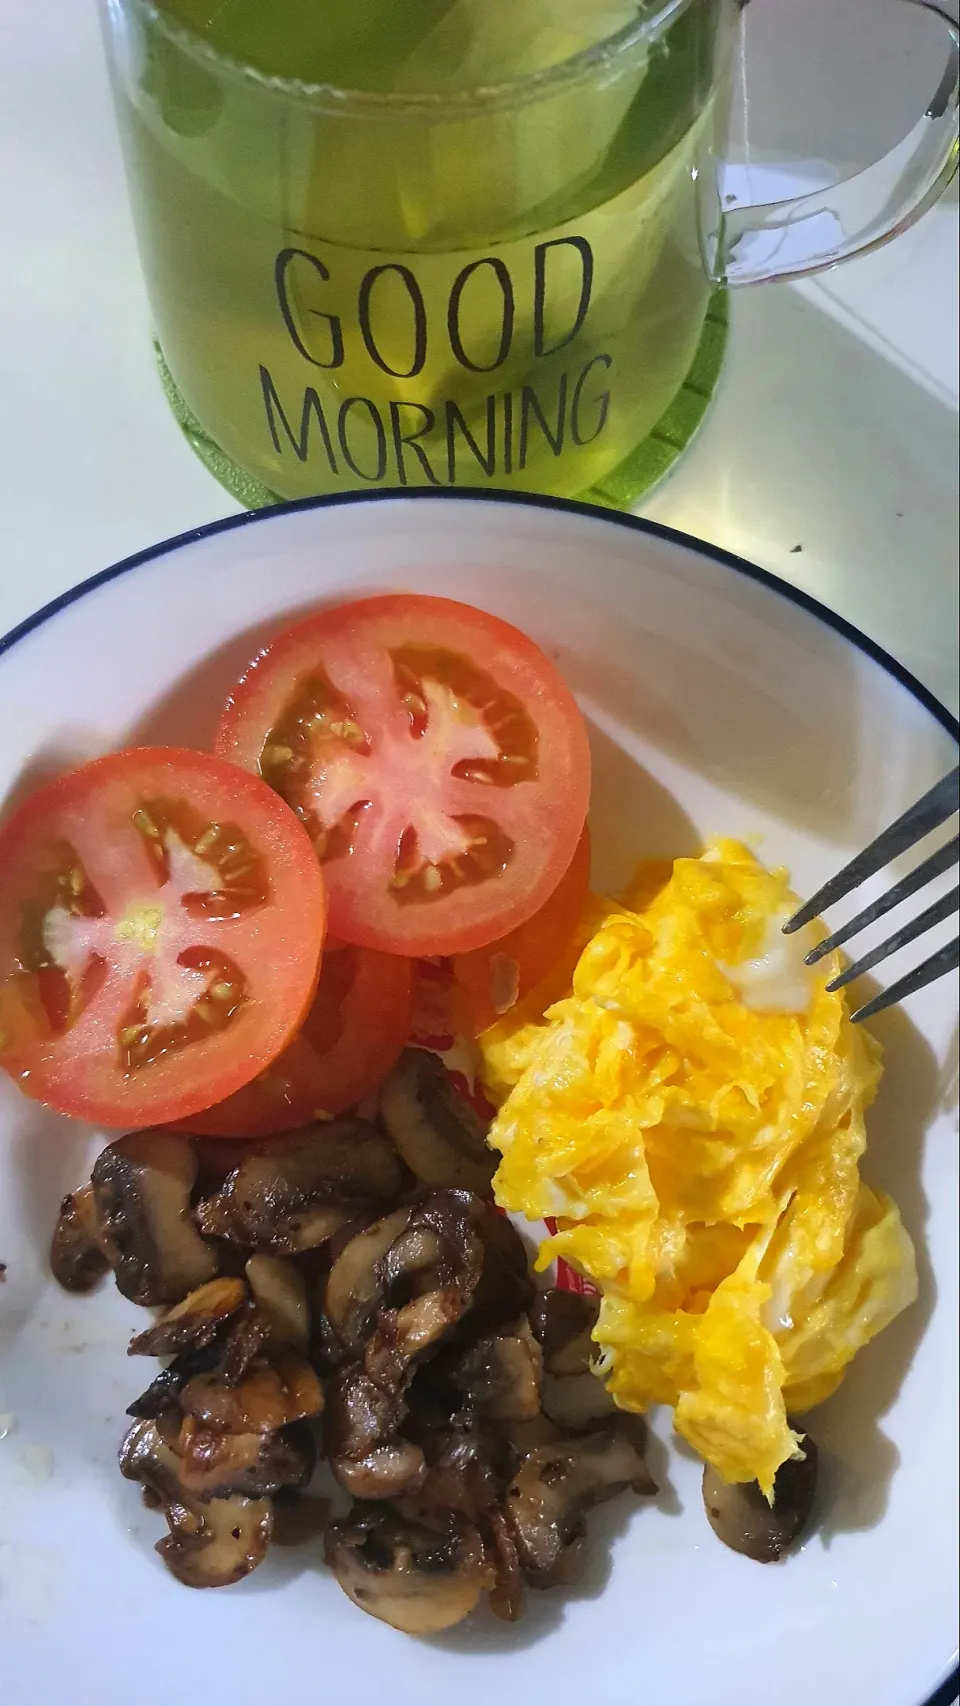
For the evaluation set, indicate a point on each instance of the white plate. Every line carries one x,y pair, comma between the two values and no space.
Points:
720,702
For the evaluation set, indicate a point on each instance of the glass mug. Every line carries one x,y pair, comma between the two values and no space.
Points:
454,242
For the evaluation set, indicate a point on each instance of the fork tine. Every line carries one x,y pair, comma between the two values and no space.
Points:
929,812
916,879
944,960
934,914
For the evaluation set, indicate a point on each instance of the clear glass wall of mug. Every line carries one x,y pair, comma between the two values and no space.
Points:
457,242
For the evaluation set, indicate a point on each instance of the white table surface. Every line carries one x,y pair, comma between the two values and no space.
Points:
835,427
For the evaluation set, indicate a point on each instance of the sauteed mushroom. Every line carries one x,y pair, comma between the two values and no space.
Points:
257,1465
76,1255
355,1284
505,1288
281,1299
210,1544
193,1323
269,1397
740,1516
416,1578
553,1489
141,1188
300,1190
500,1375
440,1136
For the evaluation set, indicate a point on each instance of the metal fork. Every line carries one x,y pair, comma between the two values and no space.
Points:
935,808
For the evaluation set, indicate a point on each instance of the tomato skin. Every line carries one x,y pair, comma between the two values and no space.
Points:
275,942
542,814
486,977
366,1018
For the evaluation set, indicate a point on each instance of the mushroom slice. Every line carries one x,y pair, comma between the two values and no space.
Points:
147,1457
360,1439
244,1343
164,1390
506,1595
403,1335
419,1579
355,1285
270,1396
439,1258
300,1181
281,1299
575,1401
500,1375
141,1188
459,1475
76,1256
194,1323
505,1288
209,1545
392,1470
256,1465
740,1516
553,1488
358,1415
218,1546
563,1322
440,1136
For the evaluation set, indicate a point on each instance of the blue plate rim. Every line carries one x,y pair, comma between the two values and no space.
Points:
948,1691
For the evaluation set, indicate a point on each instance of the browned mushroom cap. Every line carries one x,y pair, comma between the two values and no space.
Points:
554,1487
506,1595
416,1578
164,1389
257,1465
301,1189
195,1322
281,1299
270,1396
358,1414
460,1476
563,1322
76,1256
439,1257
366,1455
500,1375
220,1544
505,1288
440,1136
740,1516
355,1285
209,1545
141,1187
575,1401
389,1471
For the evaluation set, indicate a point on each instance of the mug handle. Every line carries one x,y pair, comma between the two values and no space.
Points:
777,240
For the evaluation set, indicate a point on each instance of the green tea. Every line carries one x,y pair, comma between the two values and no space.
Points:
413,285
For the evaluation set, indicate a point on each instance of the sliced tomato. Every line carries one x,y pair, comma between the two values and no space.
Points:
436,758
161,920
347,1044
489,981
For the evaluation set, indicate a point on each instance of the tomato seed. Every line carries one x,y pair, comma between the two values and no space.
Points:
145,824
207,839
432,879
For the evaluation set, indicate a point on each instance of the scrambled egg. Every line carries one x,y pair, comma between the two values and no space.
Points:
692,1117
